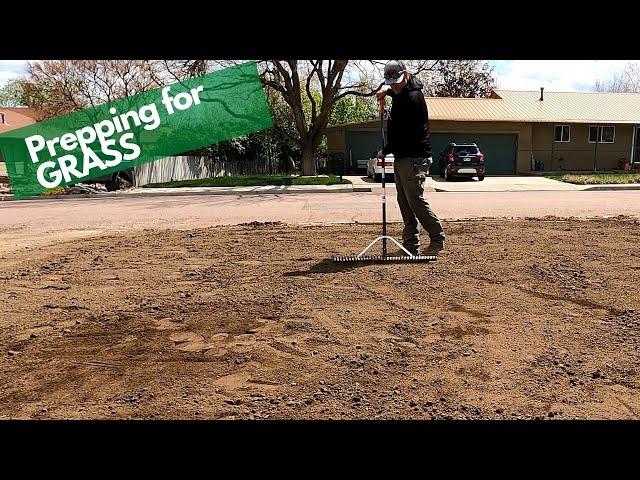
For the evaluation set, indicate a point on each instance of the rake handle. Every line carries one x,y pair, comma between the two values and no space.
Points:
384,187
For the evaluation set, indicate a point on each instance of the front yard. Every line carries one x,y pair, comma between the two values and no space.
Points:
598,178
252,180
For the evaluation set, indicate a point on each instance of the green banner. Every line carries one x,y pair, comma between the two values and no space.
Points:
138,129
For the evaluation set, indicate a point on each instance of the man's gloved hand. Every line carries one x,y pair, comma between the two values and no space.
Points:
380,94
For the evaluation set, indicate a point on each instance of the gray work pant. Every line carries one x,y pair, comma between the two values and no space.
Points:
410,174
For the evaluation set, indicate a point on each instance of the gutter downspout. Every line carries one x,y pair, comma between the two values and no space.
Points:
595,150
553,144
632,159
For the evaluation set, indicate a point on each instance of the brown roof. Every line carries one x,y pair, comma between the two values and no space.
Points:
25,111
13,119
519,106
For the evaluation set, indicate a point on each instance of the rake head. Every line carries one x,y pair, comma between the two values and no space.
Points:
361,257
380,258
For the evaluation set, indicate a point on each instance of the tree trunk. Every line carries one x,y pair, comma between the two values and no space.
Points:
308,159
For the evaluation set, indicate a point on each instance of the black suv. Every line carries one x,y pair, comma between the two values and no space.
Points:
462,160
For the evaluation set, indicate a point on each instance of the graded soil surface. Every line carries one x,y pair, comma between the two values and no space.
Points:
516,319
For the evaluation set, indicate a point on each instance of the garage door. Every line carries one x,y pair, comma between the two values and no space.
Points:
362,145
499,150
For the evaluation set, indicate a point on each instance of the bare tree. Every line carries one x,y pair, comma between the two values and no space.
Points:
461,78
627,81
333,79
308,87
58,87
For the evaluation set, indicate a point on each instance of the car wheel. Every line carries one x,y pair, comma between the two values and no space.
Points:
480,177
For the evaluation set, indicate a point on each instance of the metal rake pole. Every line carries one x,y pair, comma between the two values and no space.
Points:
384,187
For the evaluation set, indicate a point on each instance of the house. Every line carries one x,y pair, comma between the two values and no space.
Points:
11,118
16,117
565,130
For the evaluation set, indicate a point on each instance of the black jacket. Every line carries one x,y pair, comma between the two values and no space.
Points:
408,124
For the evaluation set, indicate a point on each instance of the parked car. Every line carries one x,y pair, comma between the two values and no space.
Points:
375,167
462,160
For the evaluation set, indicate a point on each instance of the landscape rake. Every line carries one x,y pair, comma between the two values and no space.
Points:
385,257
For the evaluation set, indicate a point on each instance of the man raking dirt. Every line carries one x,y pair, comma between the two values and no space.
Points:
408,141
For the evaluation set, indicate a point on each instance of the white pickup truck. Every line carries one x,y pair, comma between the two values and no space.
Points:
375,167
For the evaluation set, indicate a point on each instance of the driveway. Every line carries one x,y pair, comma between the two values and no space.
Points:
501,184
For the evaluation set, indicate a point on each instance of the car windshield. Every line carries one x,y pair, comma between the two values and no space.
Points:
465,150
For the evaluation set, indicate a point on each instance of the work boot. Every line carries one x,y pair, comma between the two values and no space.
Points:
413,249
434,248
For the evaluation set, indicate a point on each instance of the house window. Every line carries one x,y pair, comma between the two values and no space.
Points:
562,133
608,134
602,134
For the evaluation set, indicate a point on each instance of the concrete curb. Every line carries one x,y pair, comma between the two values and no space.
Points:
507,190
610,188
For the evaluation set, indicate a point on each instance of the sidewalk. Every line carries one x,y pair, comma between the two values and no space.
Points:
359,185
188,191
490,184
360,181
497,184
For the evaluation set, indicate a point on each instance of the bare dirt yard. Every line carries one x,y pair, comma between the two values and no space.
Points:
516,319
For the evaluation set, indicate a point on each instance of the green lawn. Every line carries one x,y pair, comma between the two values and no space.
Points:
251,180
598,178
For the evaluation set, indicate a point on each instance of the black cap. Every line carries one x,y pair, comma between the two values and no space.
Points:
393,72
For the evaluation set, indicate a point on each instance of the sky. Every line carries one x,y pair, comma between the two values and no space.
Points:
554,75
10,69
